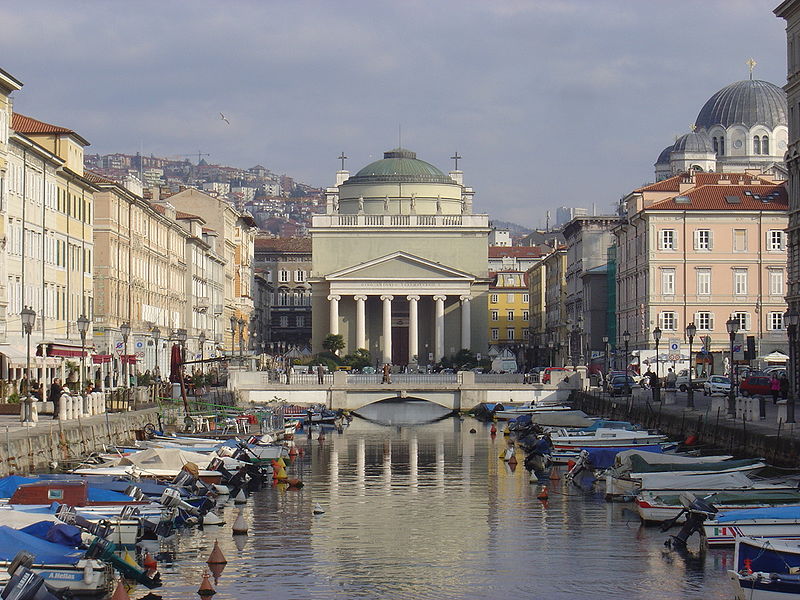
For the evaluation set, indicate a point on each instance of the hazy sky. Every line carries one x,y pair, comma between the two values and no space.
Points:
550,102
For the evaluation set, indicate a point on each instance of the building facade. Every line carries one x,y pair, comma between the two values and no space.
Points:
548,338
509,311
399,263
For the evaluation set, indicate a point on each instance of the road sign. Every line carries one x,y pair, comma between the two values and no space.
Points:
674,349
738,347
140,355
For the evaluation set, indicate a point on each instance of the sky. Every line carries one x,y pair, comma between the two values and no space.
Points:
550,102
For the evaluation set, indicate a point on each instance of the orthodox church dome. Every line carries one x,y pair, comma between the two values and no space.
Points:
400,166
694,141
749,103
663,158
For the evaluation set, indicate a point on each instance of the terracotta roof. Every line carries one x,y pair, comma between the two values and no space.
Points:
29,125
729,197
517,251
187,216
672,183
283,244
209,230
159,208
97,178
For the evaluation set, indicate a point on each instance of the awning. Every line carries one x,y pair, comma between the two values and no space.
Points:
127,358
100,359
67,350
16,356
777,357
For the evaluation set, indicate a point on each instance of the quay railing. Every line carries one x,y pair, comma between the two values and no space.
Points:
397,378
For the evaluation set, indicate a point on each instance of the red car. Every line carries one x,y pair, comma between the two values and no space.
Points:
756,385
548,370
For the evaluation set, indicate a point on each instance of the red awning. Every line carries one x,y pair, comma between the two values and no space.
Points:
128,358
100,359
65,352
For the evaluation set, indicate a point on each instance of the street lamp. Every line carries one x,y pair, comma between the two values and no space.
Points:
657,386
202,339
125,330
83,327
156,333
792,319
241,337
732,325
550,352
626,337
234,321
28,317
605,354
691,330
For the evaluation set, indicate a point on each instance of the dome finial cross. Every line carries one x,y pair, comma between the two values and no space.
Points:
342,158
456,158
751,64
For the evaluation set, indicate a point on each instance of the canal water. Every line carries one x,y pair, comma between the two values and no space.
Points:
429,511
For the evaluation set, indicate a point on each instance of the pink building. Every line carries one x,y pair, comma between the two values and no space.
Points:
704,248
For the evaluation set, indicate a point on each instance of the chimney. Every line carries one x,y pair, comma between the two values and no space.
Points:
341,177
155,194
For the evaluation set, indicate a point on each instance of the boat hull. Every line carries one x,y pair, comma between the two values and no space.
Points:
725,534
764,586
89,578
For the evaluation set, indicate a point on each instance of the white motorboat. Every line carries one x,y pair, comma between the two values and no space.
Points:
603,438
780,522
656,508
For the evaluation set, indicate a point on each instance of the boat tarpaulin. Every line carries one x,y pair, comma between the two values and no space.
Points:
773,512
9,484
640,464
162,458
58,533
603,458
706,481
756,497
47,553
102,495
623,462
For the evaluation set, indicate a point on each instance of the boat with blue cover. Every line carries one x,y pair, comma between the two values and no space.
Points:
781,522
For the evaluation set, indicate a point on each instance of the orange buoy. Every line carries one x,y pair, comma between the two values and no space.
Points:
280,474
217,557
301,451
570,464
295,483
281,462
512,461
206,590
691,440
293,451
554,476
493,429
120,593
543,495
149,563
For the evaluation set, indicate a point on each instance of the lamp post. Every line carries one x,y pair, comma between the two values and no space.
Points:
202,340
241,338
626,337
83,327
792,319
156,333
657,386
234,321
180,335
732,325
28,317
550,356
125,330
605,355
691,330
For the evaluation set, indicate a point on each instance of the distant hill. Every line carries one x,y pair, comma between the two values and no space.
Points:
514,229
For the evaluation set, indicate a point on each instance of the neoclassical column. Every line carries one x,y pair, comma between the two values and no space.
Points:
387,328
466,322
438,349
413,328
361,328
334,315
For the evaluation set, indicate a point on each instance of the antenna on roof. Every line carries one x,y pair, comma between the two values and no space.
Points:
751,64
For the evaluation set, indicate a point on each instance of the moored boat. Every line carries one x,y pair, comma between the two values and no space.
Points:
662,507
777,522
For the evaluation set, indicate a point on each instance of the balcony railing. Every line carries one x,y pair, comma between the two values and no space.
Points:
400,221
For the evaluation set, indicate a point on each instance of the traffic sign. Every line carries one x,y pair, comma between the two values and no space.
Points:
674,349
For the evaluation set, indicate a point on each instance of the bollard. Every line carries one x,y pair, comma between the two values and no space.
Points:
782,410
35,412
62,407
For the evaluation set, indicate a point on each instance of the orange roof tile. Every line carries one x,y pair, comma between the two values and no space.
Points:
187,216
283,244
29,125
729,197
672,183
518,251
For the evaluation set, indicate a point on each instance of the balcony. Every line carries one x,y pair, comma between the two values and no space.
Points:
202,303
361,220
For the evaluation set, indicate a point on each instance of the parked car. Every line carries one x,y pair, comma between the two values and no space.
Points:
717,384
559,373
682,381
620,385
756,385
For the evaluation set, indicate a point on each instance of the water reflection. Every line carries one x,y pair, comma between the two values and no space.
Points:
431,512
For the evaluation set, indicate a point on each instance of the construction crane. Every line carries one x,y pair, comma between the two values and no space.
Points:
198,154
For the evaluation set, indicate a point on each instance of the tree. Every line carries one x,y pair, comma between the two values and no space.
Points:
333,343
358,359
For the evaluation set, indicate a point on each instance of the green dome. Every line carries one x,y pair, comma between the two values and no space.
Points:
400,166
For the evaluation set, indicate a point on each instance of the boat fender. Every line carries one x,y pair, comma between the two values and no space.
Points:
88,572
691,440
570,464
543,495
493,429
748,565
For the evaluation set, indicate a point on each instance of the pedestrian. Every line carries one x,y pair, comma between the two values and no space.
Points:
775,388
387,378
672,378
55,396
289,373
320,374
784,387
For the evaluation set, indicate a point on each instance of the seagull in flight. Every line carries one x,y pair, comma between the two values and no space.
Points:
224,118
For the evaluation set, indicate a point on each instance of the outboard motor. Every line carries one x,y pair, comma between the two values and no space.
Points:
697,510
135,493
24,583
68,514
106,551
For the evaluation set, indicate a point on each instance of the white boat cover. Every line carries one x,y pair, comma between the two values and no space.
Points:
165,459
17,519
681,481
623,462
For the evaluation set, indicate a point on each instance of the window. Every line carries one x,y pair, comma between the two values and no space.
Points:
740,240
300,321
284,321
775,240
716,144
668,321
511,298
703,282
775,321
721,146
493,299
283,276
702,239
510,333
756,145
744,320
776,287
526,298
765,145
525,315
740,282
525,334
704,321
299,276
510,315
668,282
666,239
495,334
495,315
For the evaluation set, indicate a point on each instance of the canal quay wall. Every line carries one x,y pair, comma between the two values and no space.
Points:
772,439
51,443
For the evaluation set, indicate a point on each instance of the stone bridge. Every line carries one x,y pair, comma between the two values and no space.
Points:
340,390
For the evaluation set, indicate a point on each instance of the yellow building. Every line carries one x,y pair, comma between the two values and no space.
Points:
509,307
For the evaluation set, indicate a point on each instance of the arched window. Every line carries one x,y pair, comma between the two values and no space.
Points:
765,145
716,144
756,145
721,145
697,168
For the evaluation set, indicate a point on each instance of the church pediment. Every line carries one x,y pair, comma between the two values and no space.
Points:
400,266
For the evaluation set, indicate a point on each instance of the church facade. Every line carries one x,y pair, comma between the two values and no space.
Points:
399,263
